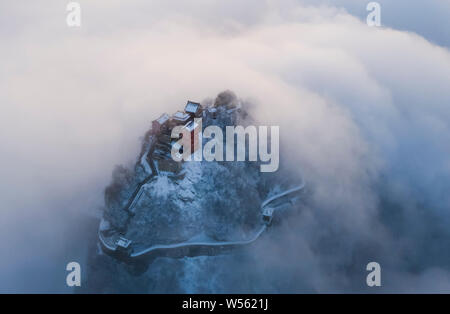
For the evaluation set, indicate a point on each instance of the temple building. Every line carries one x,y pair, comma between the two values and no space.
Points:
161,124
180,118
194,109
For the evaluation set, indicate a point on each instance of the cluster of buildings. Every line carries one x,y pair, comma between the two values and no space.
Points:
162,129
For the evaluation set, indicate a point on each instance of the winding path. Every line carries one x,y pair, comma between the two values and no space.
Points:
201,245
282,194
150,169
184,248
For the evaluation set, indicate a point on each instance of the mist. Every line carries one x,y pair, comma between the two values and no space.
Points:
363,115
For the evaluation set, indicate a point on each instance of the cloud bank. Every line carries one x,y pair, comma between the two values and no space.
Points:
363,115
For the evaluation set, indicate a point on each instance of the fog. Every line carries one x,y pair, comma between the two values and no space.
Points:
363,115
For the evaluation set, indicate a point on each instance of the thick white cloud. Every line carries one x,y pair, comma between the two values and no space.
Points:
358,107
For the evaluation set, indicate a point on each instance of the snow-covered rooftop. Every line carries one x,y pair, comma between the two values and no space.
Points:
163,119
192,107
180,116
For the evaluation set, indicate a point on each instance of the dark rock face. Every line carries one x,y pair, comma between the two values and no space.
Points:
227,99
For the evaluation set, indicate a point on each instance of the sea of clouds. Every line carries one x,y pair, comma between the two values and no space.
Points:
363,112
